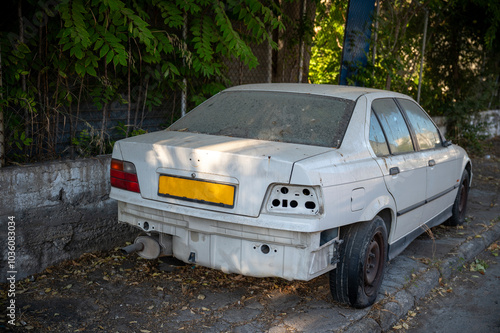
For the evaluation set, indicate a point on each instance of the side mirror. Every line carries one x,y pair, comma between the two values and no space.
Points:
447,143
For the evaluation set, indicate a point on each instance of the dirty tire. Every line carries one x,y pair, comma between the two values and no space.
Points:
460,205
360,271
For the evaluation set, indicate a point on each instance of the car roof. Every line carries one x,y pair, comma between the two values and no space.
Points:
346,92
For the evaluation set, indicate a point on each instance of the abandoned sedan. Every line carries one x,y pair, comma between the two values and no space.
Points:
292,181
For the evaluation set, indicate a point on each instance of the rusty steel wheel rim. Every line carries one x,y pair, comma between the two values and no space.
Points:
374,263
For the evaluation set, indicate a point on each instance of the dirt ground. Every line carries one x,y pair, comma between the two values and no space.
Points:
109,292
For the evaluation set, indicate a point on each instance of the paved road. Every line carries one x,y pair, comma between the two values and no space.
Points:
470,302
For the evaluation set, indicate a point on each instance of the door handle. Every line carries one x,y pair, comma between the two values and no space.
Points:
432,163
394,171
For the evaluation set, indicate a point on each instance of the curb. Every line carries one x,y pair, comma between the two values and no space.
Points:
384,315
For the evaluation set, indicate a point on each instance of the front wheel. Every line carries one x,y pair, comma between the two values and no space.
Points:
460,205
360,271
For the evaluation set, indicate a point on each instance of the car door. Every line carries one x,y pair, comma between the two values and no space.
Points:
441,161
403,168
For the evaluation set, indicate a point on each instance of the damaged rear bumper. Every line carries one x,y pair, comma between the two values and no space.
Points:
235,248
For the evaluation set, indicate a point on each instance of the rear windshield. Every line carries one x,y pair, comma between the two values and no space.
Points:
272,116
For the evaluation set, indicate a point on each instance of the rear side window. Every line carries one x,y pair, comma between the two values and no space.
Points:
377,138
394,126
426,132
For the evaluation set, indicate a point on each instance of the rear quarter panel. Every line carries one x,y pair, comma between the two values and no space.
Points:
353,186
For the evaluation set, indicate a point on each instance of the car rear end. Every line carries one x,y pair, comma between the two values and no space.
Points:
222,203
214,189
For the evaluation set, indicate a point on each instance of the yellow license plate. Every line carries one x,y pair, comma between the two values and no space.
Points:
197,191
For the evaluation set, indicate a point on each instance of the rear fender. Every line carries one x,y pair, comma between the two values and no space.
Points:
377,205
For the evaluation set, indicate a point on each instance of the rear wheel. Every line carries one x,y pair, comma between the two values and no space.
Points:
460,205
360,271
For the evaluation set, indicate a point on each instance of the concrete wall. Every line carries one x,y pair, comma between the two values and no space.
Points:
491,118
61,210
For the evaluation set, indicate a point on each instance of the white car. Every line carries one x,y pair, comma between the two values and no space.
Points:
292,181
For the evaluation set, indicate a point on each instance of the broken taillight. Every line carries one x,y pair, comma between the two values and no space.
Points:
124,176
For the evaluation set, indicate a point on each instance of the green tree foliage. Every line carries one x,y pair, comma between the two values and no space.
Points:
394,57
462,59
326,51
59,53
463,65
396,44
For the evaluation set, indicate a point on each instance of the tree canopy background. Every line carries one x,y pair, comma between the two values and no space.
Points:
462,55
57,55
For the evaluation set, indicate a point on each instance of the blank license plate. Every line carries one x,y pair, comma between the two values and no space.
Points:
197,191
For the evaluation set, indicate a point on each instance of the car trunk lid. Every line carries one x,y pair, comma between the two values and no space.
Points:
205,163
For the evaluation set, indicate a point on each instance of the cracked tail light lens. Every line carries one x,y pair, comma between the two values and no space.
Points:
124,175
294,199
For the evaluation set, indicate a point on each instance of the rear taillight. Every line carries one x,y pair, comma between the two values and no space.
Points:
124,176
